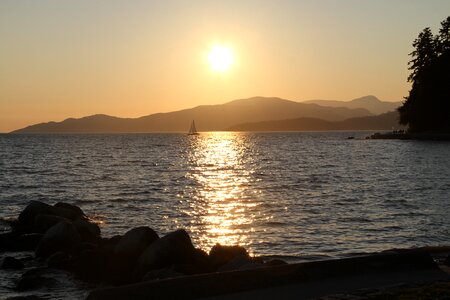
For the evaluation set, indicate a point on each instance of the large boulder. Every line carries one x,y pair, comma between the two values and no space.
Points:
91,265
174,248
88,231
69,211
108,244
27,216
43,222
221,255
59,260
135,241
61,237
241,263
125,254
26,221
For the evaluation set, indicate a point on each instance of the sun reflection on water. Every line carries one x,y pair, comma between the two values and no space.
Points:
221,206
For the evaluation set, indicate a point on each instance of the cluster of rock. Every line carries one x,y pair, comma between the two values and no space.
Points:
393,135
64,237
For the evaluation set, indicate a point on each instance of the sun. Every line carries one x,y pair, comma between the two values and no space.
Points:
220,58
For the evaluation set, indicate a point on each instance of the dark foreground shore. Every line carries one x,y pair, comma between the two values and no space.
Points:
142,265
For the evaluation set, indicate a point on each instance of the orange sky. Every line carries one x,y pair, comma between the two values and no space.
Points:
131,58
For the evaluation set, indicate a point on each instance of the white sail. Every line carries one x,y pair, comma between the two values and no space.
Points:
193,130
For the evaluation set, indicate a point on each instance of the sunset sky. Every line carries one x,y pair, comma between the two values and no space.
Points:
61,59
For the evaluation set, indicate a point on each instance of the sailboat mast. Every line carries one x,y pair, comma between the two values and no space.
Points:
193,130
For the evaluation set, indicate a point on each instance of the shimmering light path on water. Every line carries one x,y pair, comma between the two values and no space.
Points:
309,195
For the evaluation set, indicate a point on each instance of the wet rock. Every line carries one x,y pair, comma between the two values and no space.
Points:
11,241
87,230
34,279
59,260
108,244
91,265
221,255
28,297
27,242
161,274
7,241
135,241
447,261
202,262
275,262
111,241
69,211
126,252
88,246
27,216
119,269
61,237
10,262
26,220
42,222
240,263
174,248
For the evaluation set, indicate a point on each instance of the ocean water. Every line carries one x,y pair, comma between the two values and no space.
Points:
288,194
299,196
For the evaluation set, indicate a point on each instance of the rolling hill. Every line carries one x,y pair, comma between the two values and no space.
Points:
371,103
207,117
385,121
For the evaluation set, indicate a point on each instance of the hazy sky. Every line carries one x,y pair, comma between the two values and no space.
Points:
61,59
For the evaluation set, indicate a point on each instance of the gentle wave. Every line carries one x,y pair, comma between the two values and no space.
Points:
283,194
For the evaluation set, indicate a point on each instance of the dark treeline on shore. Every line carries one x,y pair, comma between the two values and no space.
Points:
427,107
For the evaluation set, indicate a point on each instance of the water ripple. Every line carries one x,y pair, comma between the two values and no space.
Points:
298,195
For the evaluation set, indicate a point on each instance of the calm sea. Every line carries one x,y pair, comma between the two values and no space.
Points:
295,195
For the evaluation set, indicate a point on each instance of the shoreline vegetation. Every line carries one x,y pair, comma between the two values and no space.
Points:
140,264
426,109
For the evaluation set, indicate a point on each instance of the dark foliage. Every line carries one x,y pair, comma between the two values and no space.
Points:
427,107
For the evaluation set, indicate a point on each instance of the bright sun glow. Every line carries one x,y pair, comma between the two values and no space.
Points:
220,58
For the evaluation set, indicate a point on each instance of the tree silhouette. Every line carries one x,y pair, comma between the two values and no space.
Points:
427,107
443,40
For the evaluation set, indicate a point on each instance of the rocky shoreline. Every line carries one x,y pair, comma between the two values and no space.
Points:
404,135
62,237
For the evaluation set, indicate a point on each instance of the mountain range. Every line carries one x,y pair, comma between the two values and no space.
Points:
371,103
386,121
213,117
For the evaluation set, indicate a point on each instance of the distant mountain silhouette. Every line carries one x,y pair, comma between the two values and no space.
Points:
385,121
371,103
207,117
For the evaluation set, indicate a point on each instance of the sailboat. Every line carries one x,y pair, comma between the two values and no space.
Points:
193,130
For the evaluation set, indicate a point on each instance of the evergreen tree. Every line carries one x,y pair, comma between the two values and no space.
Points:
423,55
427,107
443,39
